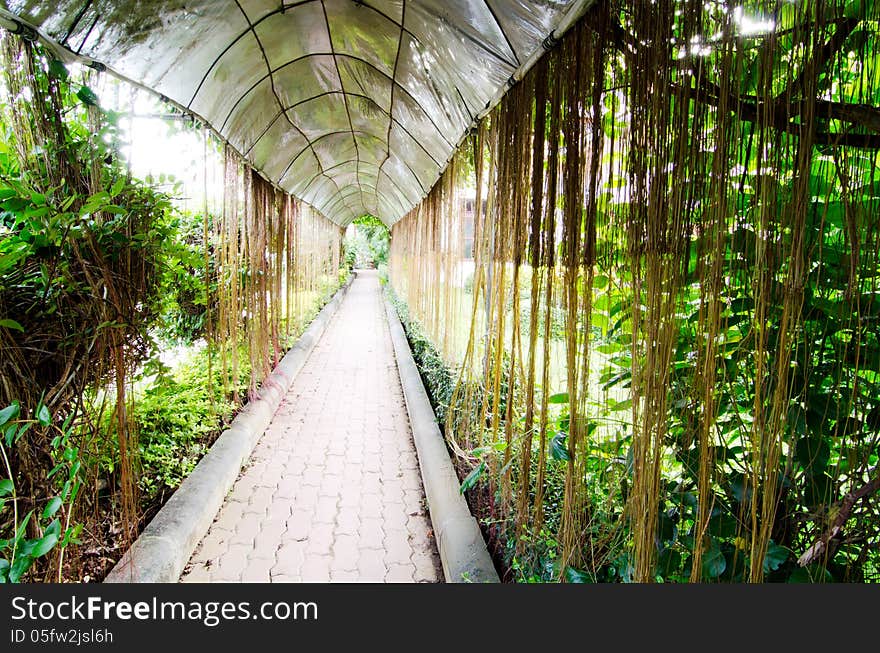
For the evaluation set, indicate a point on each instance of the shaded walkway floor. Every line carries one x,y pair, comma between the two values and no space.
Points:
332,491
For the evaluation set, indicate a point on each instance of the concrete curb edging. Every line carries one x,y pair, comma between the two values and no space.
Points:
462,549
166,544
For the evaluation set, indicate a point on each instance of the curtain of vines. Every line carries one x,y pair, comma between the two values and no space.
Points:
436,262
276,258
672,348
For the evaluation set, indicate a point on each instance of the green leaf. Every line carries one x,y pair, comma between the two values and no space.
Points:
723,525
19,567
71,535
626,404
6,486
668,562
11,324
117,187
774,557
573,575
813,453
9,434
811,574
558,449
560,398
51,507
471,479
58,69
4,570
43,416
87,96
22,526
8,413
714,562
53,527
22,429
46,544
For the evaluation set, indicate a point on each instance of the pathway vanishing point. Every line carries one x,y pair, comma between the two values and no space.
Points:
332,491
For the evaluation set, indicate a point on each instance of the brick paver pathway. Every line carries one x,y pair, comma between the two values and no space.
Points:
332,491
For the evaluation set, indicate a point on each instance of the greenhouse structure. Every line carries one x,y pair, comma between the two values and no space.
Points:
521,291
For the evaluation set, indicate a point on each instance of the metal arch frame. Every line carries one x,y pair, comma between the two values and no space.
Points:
323,173
253,31
390,117
393,80
560,22
253,26
378,167
344,102
311,142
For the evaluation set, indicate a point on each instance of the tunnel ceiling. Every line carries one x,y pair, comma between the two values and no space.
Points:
354,107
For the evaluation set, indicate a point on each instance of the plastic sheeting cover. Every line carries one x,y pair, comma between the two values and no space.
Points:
353,106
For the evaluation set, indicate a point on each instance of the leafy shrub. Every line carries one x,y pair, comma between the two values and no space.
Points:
176,417
46,527
184,312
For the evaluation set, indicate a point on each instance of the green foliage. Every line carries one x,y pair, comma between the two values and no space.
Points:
831,427
184,310
82,244
176,416
27,536
368,246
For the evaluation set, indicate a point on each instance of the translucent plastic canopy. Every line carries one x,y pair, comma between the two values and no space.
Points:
353,106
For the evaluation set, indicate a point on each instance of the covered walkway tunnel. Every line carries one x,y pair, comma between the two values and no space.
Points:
633,246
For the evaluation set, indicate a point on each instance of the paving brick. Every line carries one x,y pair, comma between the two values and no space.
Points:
350,496
400,573
214,545
397,547
247,529
427,568
411,479
261,500
257,570
370,533
372,505
344,576
197,573
371,482
320,539
371,567
392,492
232,563
347,522
331,485
394,516
298,525
316,569
413,501
306,496
229,516
326,510
289,558
345,552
